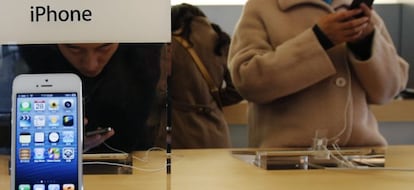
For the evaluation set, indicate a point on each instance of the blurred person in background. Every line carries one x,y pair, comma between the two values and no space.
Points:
119,85
310,69
197,116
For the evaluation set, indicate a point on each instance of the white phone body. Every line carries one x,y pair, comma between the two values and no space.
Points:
47,132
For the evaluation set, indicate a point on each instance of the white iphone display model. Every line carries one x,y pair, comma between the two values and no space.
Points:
47,123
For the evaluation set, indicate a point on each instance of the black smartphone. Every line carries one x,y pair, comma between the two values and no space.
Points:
98,131
356,3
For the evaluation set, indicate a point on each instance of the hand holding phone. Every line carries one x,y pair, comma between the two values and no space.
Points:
92,139
99,131
357,3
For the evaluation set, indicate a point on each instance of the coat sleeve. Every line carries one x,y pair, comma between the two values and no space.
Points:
262,71
228,94
385,73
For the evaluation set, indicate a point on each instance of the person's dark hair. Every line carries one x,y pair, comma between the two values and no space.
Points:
181,17
223,40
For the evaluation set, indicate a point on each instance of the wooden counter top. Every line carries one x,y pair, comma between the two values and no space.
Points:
208,169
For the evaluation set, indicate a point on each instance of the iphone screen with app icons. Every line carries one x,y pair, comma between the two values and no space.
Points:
46,141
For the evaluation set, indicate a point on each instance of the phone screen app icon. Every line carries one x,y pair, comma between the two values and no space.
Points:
25,138
25,106
68,136
25,120
39,137
68,187
68,103
24,187
39,187
53,187
53,137
53,120
39,153
54,153
68,153
39,120
39,105
68,120
53,105
24,154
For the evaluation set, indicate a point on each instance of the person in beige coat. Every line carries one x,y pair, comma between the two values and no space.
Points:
197,119
310,70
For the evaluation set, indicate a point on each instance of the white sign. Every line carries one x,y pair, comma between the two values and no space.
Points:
84,21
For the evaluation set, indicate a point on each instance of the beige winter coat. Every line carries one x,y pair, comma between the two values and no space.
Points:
298,90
